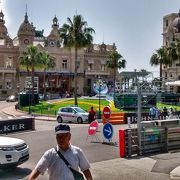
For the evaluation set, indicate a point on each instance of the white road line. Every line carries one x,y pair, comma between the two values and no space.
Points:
9,117
25,116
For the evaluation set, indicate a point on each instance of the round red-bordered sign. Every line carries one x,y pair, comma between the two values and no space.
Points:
93,127
106,112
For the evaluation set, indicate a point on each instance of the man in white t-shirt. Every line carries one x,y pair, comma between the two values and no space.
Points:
57,169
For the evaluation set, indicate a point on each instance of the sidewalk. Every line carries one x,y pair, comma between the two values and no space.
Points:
116,169
11,111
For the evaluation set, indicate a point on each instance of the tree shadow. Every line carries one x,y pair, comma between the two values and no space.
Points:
14,173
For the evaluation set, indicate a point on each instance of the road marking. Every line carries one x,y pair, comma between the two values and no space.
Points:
9,117
0,117
25,116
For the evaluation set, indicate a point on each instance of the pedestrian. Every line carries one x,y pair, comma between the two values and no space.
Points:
171,113
152,113
165,112
92,115
158,113
62,160
176,113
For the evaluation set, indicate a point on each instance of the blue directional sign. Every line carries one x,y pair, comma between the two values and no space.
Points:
108,131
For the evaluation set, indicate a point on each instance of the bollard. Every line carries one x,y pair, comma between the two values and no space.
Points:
129,122
122,146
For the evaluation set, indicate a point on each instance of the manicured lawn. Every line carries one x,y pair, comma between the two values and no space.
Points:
52,108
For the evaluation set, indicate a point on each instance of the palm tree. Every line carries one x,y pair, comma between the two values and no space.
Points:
160,58
47,62
30,59
75,34
174,51
115,62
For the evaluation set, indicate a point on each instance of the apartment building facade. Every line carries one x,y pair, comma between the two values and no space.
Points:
171,32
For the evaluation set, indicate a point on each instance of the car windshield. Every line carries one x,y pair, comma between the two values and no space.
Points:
79,110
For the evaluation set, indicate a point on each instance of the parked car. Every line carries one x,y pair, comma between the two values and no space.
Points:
12,98
72,114
41,97
13,152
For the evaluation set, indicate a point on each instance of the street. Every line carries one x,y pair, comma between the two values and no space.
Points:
104,159
43,138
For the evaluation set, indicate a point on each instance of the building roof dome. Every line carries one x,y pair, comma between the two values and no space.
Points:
1,15
3,29
26,27
176,24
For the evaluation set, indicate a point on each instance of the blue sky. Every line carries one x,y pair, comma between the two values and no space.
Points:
134,25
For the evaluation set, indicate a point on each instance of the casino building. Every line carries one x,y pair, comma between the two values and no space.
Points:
91,61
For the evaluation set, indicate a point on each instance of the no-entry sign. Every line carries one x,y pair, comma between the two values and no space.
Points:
106,112
93,127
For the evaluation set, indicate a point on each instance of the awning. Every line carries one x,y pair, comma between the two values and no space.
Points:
173,83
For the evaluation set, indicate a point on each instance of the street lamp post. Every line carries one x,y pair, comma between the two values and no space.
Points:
29,91
139,127
18,94
99,86
99,114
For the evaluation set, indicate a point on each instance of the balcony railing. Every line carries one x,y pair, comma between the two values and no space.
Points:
7,69
96,72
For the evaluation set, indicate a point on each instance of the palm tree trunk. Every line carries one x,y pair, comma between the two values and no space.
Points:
44,84
75,78
32,90
160,74
114,80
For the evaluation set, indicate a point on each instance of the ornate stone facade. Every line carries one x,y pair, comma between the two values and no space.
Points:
91,60
171,31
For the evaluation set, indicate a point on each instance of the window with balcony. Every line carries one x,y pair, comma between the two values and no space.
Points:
9,62
165,74
167,23
90,67
103,67
64,65
8,84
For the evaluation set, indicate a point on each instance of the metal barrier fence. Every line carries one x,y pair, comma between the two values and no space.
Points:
154,139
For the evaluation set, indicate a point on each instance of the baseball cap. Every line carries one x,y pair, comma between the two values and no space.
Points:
62,128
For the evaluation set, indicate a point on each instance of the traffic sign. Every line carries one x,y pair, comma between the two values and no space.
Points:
108,131
93,127
106,112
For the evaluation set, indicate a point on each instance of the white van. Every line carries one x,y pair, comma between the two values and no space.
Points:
13,152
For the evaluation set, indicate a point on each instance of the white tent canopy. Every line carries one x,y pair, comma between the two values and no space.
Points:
173,83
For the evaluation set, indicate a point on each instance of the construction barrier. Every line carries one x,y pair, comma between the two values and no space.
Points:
157,136
115,118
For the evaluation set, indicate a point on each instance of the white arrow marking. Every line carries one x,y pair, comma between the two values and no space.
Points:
108,130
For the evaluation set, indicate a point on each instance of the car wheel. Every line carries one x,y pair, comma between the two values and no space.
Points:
79,120
59,119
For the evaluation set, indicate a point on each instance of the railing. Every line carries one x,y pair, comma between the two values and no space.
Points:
156,137
8,69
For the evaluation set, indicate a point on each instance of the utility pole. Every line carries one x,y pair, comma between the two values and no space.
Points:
139,111
139,117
